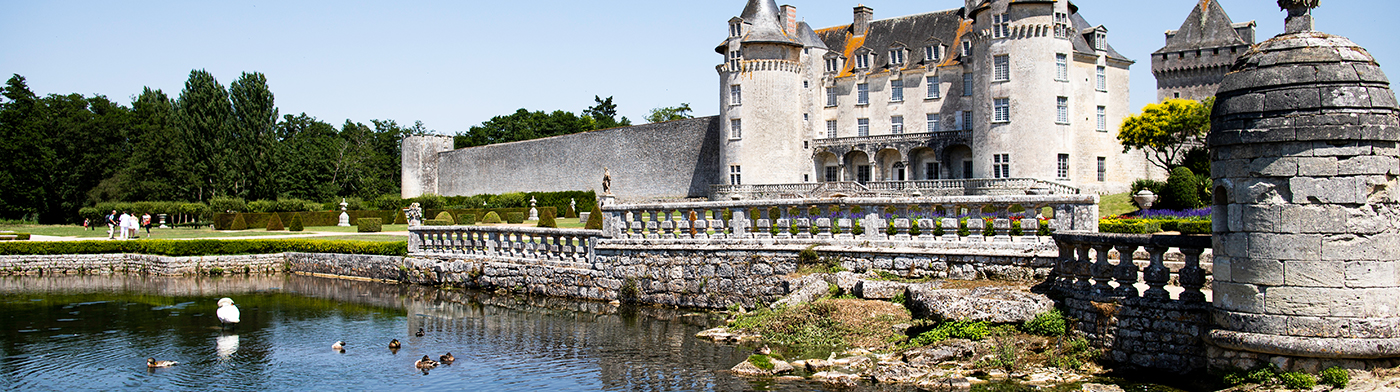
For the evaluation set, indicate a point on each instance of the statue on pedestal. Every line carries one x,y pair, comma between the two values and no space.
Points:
607,182
414,214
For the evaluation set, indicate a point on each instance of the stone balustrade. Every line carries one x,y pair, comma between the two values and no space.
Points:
893,138
1100,276
547,244
760,65
917,188
836,218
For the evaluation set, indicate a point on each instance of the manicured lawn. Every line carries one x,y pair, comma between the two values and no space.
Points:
1116,204
350,229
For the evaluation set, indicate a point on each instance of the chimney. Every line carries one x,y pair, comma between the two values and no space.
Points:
863,16
790,19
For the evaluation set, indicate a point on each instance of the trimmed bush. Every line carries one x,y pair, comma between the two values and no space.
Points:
1194,227
274,223
204,247
317,218
436,222
1051,323
400,218
466,218
569,212
515,217
595,219
446,217
1297,380
18,236
1129,226
491,217
1181,192
547,217
371,225
296,223
238,223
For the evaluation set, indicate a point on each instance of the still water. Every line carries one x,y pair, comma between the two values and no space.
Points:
95,333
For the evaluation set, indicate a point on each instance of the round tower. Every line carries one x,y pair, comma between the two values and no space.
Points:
760,100
1307,210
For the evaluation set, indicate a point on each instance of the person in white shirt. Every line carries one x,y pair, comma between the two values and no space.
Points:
125,223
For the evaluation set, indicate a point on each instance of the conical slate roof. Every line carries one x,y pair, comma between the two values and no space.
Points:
808,37
764,23
1207,27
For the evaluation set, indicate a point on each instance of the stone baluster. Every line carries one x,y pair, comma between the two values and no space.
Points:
668,229
1156,275
901,229
762,229
638,230
1030,229
491,243
846,227
1064,267
784,226
652,230
1192,277
925,230
950,229
702,229
823,228
1002,228
1102,269
1126,273
1082,268
683,230
975,225
804,228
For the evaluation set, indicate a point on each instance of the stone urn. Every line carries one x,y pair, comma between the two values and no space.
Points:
1144,199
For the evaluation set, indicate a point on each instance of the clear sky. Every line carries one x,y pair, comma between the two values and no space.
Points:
454,64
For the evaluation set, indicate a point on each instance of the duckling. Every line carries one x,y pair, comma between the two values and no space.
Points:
394,344
419,333
338,346
425,363
152,363
447,359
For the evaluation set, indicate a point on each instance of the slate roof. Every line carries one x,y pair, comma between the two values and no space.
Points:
1208,26
913,32
765,26
1081,45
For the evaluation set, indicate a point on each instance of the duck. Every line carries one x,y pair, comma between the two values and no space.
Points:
419,333
152,363
425,363
394,344
447,359
228,313
339,345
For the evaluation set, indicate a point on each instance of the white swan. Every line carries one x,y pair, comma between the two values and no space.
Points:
228,313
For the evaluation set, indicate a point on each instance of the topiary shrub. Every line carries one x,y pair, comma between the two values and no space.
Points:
595,219
238,223
1181,192
466,218
274,223
569,212
446,217
296,223
547,217
515,217
400,218
370,225
491,217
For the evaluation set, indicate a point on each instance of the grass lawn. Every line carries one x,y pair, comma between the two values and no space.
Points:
1116,204
366,237
349,229
101,233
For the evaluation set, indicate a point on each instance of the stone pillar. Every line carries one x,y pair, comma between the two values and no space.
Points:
419,164
1306,219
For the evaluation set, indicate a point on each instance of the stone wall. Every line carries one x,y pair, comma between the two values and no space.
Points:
663,160
1141,332
140,264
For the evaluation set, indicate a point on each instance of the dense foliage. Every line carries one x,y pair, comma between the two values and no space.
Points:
65,152
204,247
669,113
528,125
1167,130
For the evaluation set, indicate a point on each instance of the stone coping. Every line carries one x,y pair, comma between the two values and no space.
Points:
864,201
509,229
985,248
1162,240
1298,346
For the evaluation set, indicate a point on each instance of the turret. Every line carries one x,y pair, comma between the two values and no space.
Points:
761,114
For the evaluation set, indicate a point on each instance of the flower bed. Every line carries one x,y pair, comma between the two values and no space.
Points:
1152,221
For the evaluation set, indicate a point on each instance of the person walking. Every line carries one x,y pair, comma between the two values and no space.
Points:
112,225
87,224
124,222
146,221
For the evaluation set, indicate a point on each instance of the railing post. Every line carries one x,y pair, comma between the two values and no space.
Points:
1002,227
1126,274
925,229
1064,266
1103,270
950,229
1192,277
1156,275
1082,268
974,228
1030,229
804,228
784,226
901,228
668,229
823,228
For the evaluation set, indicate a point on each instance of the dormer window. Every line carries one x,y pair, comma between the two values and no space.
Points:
967,49
933,53
736,27
1061,25
1001,26
863,60
1100,40
897,56
833,64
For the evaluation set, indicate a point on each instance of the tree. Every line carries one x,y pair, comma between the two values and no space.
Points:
664,114
604,114
205,119
1167,130
25,148
157,155
522,125
255,136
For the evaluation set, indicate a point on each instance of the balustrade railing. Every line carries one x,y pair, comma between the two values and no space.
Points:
893,138
951,187
565,245
1076,271
837,218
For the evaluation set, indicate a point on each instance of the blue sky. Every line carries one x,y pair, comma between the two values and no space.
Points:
454,64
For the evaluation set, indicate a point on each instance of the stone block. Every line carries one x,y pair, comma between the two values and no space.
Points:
1332,190
1238,297
879,289
1350,247
1372,274
1248,103
1334,148
1314,301
1262,191
1382,97
1388,132
1221,269
1314,274
1234,218
1292,99
1313,219
1346,97
1370,73
1368,165
1365,220
1317,166
1268,272
1274,167
1230,168
1284,246
1261,218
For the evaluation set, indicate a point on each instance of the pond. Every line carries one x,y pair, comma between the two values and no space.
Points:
95,332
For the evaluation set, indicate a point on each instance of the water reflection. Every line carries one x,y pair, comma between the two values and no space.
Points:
95,332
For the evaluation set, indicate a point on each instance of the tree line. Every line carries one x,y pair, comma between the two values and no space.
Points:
65,152
527,125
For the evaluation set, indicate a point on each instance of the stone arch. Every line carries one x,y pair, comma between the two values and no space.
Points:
826,159
959,159
919,160
885,160
854,161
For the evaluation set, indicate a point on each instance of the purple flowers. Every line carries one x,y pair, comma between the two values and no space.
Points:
1197,214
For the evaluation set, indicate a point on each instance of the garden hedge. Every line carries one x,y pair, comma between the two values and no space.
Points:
18,236
1129,226
446,217
315,218
515,217
491,217
204,247
466,219
370,225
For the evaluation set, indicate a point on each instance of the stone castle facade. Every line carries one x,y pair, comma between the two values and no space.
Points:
1197,56
998,89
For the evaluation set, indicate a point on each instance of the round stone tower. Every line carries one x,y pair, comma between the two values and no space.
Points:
760,99
1306,218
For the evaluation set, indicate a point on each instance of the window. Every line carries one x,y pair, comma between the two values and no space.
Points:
1061,67
830,96
967,49
830,129
1001,68
862,127
1001,26
896,125
1001,110
932,171
933,53
1062,110
863,173
734,177
933,87
1062,167
863,60
967,85
735,29
863,94
1103,119
806,178
1103,79
735,132
967,169
898,169
734,57
831,173
967,120
1001,165
804,116
1103,167
806,84
933,122
1100,40
833,64
897,56
736,95
1062,25
896,91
